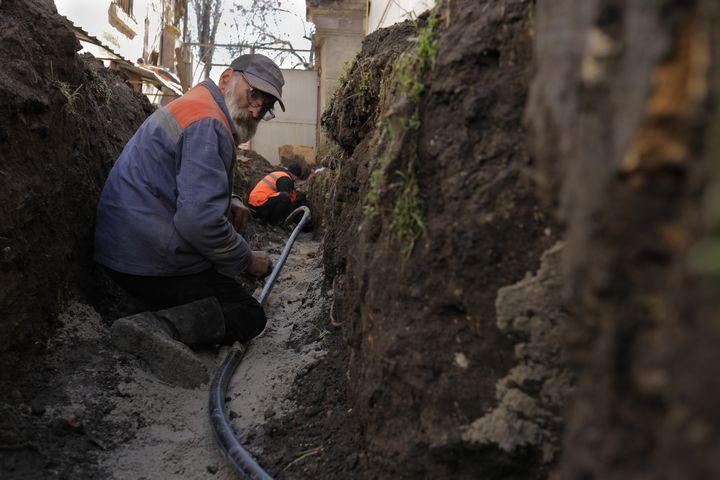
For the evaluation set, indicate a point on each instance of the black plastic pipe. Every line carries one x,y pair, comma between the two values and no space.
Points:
222,429
286,251
238,457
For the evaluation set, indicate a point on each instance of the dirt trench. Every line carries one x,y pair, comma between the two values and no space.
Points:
513,274
444,384
84,410
65,120
558,162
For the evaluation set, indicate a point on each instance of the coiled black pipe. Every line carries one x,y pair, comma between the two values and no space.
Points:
223,432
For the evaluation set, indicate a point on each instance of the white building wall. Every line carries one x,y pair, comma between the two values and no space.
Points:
153,13
297,124
384,13
335,54
92,16
339,31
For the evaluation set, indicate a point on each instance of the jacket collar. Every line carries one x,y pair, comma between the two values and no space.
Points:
218,96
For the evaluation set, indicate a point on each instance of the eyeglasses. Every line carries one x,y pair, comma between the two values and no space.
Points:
262,100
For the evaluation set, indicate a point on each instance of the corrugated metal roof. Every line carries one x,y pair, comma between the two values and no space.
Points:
147,74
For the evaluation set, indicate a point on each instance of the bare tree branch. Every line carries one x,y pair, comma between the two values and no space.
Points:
259,25
207,15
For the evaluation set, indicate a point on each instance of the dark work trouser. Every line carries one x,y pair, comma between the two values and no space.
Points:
276,208
244,316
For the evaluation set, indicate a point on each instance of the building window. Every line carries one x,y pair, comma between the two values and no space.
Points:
126,6
120,15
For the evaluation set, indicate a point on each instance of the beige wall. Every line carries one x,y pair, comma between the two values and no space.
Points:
337,51
297,124
339,31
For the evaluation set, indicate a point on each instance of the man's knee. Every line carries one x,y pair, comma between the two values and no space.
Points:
244,322
256,323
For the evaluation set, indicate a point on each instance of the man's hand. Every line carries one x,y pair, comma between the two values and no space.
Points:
260,264
239,214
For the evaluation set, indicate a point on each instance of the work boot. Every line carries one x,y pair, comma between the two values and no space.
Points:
161,339
197,323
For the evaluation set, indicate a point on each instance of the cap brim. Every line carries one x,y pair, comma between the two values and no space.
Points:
263,86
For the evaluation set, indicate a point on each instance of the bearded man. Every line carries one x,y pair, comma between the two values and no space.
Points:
166,228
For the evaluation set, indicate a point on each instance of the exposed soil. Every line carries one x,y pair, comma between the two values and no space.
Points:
84,410
251,168
625,128
513,272
425,350
56,153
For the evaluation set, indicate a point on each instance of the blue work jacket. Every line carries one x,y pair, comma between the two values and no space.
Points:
164,208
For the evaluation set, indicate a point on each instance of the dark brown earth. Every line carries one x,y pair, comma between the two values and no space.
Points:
544,307
409,320
56,152
626,129
251,168
55,156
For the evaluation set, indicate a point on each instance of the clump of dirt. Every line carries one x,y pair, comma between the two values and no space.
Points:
57,413
367,77
250,168
318,189
532,397
65,120
434,211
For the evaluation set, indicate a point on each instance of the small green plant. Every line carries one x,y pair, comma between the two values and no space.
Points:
406,77
349,88
427,48
387,132
365,90
382,94
343,78
411,66
373,194
101,90
408,211
409,69
390,127
414,121
70,93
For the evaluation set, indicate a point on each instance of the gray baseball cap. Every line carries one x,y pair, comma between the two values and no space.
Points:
261,73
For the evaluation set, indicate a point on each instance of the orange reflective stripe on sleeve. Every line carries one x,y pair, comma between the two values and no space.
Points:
195,105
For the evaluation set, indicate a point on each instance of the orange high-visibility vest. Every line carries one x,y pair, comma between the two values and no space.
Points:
267,188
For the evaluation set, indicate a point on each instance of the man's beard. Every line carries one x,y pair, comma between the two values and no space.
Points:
244,122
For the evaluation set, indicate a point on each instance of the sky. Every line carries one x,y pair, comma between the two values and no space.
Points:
90,13
291,25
